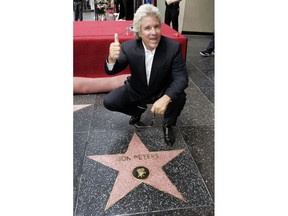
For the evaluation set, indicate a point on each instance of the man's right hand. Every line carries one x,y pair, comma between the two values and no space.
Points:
114,50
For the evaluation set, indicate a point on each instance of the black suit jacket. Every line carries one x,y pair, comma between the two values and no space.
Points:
168,72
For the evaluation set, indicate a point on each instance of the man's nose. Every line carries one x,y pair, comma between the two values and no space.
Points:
153,30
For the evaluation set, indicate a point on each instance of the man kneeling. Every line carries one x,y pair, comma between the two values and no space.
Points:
158,72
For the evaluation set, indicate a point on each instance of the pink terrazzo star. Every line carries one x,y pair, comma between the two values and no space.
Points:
147,165
81,106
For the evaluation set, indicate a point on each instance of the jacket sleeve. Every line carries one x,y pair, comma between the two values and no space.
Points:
179,75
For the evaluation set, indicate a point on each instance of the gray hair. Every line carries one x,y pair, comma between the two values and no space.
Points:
144,11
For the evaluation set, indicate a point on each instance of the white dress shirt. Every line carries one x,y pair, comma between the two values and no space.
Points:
149,55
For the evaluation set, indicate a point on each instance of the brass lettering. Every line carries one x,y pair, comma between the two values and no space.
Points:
146,156
124,158
137,157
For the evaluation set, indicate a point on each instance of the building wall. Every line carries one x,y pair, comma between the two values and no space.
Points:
195,15
199,16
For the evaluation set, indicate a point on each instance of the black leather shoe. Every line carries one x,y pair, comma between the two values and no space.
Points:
136,118
169,136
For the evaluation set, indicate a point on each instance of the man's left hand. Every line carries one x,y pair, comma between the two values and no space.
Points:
160,106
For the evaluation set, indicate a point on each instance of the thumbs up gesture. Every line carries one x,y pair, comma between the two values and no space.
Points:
114,50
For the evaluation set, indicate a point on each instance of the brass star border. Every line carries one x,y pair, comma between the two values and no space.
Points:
138,165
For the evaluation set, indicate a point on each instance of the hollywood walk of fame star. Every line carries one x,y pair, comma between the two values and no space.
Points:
138,165
81,106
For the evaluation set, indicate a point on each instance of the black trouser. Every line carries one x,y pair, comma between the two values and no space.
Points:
211,47
171,14
119,100
78,11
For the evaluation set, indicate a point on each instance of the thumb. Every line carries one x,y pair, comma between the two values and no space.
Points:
116,38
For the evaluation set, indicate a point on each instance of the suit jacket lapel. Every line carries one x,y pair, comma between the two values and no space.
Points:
159,54
140,52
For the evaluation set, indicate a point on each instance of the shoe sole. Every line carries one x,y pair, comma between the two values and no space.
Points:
207,55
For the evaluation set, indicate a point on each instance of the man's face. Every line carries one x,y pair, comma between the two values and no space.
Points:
150,32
